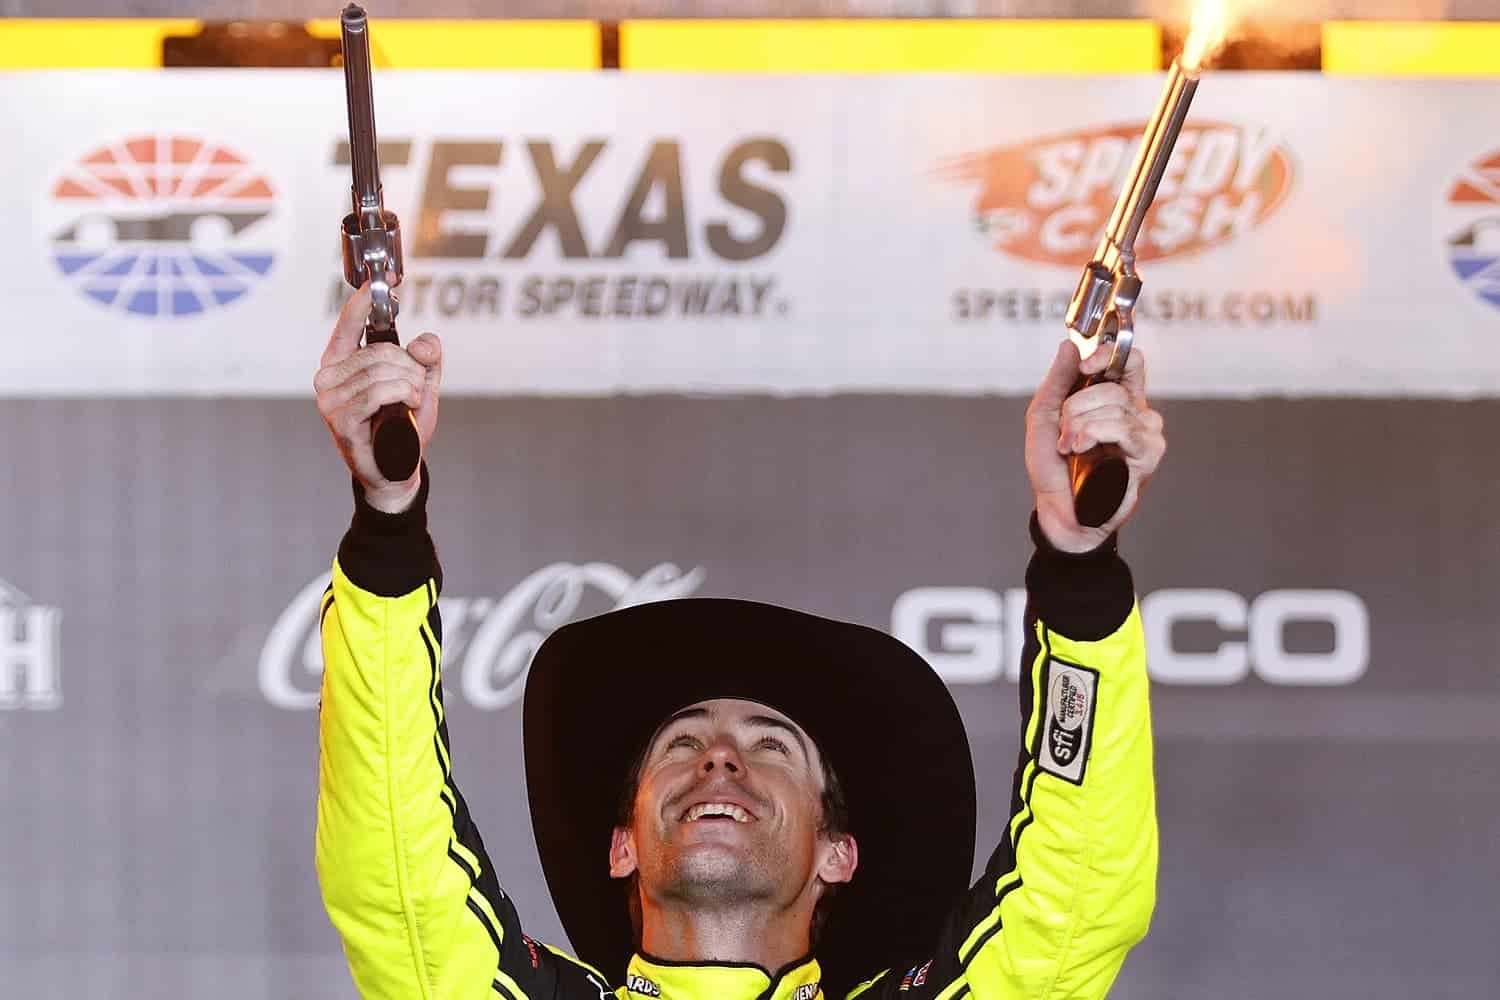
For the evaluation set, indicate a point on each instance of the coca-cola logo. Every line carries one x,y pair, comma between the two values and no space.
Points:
1049,200
489,641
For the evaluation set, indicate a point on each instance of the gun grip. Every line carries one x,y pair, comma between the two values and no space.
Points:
1100,478
398,448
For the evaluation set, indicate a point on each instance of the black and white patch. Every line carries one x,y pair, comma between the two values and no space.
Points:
1068,719
642,985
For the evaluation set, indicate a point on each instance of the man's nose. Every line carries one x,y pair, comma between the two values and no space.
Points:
722,753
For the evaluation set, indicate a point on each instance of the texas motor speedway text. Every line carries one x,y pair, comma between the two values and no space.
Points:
596,296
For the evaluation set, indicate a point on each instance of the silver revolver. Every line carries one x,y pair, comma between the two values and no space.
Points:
1101,314
371,240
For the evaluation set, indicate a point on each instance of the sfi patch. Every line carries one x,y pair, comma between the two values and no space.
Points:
1068,722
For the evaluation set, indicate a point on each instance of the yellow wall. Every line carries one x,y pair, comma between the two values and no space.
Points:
1405,48
1367,48
951,46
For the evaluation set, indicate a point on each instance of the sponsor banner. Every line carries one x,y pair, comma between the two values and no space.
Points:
603,234
970,635
1322,638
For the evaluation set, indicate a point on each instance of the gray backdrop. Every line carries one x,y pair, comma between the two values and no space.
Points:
1317,841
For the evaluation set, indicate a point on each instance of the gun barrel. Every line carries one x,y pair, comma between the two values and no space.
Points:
1151,160
360,96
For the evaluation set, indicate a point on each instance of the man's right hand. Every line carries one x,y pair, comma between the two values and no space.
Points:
354,382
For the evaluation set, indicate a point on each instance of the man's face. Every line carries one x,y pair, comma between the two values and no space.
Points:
729,811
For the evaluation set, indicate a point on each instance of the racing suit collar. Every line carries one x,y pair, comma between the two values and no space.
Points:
659,979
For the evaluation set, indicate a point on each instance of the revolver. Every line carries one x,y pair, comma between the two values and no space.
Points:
371,241
1101,315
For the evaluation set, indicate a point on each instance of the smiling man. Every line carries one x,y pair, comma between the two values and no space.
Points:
730,824
733,800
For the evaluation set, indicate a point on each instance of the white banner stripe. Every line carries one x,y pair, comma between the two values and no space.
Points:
767,235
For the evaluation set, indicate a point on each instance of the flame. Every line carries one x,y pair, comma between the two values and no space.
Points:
1210,24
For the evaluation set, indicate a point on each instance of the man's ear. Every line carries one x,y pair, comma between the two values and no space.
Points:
622,859
840,859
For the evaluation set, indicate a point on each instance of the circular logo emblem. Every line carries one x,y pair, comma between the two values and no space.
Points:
162,225
1068,699
1474,228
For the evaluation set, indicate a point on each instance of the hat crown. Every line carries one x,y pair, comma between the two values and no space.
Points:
600,688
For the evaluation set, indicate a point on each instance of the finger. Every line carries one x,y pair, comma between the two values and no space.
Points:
1123,428
338,396
1081,429
1098,395
1098,359
349,327
1100,414
1056,384
1104,426
364,357
427,350
363,404
1135,366
1134,379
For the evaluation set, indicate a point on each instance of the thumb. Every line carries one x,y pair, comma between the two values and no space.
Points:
427,351
1058,382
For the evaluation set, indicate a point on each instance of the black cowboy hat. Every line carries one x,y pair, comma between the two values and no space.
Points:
599,689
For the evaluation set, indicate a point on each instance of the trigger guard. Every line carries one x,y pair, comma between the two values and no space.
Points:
382,302
1123,339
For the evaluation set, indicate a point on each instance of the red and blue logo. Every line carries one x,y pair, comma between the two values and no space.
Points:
1474,248
163,225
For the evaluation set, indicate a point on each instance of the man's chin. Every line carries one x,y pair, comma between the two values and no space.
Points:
713,852
714,862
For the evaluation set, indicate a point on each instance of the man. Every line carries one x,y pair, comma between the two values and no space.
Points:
733,800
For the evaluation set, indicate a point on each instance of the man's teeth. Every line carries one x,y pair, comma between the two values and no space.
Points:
717,809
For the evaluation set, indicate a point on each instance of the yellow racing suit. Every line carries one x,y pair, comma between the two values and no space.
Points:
408,885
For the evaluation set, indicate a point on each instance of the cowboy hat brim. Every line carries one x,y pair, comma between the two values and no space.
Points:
599,688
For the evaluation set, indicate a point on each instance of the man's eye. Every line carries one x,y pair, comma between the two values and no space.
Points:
771,743
691,742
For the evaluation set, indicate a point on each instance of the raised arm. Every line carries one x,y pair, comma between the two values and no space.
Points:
403,871
1071,885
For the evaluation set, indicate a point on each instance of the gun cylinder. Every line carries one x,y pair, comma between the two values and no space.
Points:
367,196
1151,160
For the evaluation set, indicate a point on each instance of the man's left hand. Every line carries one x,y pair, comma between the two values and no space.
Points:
1059,425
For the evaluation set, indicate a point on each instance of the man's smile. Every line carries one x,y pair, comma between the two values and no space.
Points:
721,811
